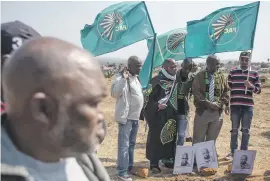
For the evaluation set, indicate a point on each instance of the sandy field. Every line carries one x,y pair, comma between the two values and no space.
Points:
259,140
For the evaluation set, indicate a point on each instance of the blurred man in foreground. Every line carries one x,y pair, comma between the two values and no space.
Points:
52,125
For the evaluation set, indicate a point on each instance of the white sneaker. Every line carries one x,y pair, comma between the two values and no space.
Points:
125,178
229,157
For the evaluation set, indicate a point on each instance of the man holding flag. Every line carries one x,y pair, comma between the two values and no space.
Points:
127,90
228,29
241,101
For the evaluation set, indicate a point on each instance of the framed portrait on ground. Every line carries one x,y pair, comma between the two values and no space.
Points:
206,155
243,161
184,159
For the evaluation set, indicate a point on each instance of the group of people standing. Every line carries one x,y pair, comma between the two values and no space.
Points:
166,108
51,124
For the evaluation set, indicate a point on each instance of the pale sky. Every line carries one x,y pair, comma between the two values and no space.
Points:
64,20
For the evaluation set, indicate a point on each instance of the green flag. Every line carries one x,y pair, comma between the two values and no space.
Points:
117,26
168,45
225,30
147,69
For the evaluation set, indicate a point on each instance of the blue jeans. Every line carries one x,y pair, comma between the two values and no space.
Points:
126,143
181,129
243,115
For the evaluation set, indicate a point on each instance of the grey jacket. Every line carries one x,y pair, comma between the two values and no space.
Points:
120,91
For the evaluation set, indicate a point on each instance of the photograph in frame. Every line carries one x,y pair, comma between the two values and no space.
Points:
206,155
184,160
243,161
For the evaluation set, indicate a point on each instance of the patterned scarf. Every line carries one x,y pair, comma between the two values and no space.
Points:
217,90
170,88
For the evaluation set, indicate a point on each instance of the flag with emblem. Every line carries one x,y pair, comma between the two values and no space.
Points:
225,30
117,26
168,45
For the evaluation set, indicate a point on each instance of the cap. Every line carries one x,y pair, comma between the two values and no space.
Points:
14,34
245,54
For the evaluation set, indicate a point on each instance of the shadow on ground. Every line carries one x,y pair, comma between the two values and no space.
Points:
266,134
108,160
140,146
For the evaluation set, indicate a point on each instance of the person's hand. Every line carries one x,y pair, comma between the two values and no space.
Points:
162,106
249,84
227,110
125,74
214,106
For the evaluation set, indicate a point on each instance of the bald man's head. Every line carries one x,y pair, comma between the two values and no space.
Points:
212,63
134,65
56,87
170,66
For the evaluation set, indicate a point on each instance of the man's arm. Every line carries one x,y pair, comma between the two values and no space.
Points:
196,89
225,95
230,80
257,85
118,86
198,96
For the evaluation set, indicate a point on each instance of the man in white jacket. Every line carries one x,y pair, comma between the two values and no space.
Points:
127,90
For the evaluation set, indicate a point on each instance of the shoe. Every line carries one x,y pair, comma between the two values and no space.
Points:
189,139
155,169
169,165
132,171
229,157
125,178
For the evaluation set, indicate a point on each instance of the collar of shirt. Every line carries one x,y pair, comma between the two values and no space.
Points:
239,68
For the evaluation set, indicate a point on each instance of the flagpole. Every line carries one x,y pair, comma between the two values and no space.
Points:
149,17
155,36
249,67
160,52
251,52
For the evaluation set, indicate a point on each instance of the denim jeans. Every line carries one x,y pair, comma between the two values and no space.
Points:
126,143
181,129
243,115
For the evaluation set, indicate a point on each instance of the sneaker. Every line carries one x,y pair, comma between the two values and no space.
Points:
132,171
229,157
155,170
125,178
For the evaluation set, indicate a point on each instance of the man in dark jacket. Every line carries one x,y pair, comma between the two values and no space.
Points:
184,80
13,35
52,125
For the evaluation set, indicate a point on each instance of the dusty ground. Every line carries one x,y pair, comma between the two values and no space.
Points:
259,140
